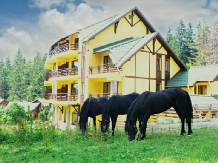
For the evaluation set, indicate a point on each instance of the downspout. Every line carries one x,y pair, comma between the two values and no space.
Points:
188,90
210,87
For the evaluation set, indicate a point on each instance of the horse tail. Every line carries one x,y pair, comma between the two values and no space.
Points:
189,106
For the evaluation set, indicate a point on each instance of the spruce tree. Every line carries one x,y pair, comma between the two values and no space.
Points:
17,83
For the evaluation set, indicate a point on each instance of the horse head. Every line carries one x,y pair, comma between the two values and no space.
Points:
104,125
82,126
131,129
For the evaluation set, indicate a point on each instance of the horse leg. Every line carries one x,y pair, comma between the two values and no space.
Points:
143,127
188,120
183,125
94,123
114,120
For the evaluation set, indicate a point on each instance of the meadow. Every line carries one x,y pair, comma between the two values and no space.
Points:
44,143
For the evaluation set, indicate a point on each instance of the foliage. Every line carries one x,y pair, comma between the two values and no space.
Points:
180,43
201,44
16,113
53,145
22,80
44,113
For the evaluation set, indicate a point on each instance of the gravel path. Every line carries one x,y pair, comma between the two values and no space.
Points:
177,126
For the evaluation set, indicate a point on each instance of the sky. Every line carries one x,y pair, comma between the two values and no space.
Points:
34,25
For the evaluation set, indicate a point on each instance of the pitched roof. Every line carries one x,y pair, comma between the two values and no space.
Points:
204,100
193,75
31,105
123,50
91,31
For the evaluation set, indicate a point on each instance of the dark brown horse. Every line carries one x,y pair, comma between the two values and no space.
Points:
156,102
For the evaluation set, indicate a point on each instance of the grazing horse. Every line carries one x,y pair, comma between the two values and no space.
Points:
136,103
156,102
91,108
117,105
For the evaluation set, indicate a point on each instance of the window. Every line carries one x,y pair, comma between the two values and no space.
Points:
167,65
158,64
158,87
106,88
74,88
202,89
106,59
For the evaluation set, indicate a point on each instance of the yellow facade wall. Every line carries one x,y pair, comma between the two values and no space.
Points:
174,68
142,85
124,30
214,86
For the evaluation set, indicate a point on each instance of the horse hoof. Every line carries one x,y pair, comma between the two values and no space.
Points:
188,136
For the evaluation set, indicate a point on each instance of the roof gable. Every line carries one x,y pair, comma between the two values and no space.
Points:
91,31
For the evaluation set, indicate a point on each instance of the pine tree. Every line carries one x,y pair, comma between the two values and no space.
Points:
36,87
213,45
201,44
4,74
16,80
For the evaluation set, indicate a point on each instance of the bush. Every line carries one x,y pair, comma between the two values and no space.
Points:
16,113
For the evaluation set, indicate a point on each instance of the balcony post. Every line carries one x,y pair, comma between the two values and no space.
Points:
67,116
56,116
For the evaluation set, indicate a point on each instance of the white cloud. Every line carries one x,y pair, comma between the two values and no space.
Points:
53,24
13,39
47,4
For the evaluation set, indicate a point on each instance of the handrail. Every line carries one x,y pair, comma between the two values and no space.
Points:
105,68
108,95
63,72
62,96
63,48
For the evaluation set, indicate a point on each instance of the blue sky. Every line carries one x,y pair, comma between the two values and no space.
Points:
36,24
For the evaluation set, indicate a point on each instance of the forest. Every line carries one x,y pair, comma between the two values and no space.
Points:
22,79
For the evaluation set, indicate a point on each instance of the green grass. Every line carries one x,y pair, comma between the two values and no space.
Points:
71,146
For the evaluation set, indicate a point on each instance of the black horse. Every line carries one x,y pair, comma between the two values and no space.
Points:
136,103
156,102
117,105
91,108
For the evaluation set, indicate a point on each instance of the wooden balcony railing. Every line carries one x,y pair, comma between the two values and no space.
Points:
61,96
108,95
63,72
63,48
106,68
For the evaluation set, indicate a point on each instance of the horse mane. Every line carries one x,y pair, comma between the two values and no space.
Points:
102,100
132,94
129,112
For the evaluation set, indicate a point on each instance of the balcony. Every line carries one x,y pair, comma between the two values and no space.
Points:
62,98
63,50
64,73
107,72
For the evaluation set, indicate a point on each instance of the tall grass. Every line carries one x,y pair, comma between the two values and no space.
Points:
48,144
